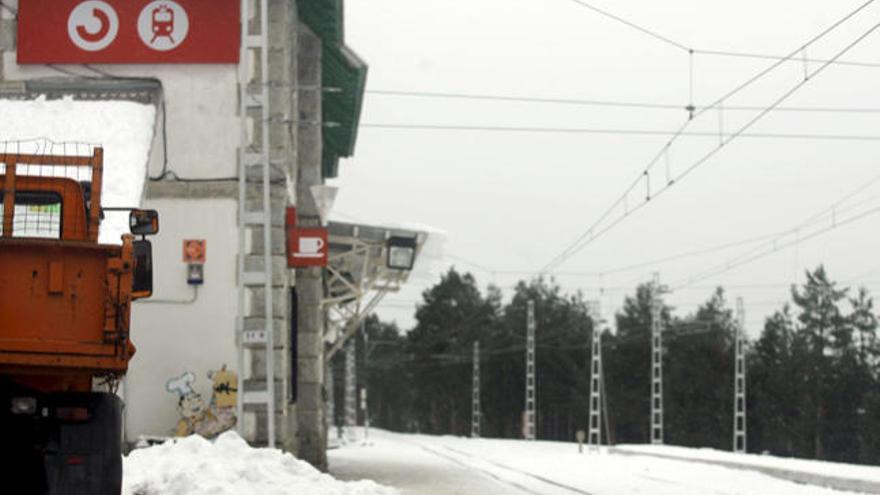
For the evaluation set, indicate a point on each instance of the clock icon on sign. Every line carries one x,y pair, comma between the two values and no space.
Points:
92,25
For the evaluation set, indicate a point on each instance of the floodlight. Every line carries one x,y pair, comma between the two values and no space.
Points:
401,252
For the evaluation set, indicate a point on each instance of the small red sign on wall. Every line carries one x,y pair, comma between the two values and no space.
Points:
128,31
194,251
307,247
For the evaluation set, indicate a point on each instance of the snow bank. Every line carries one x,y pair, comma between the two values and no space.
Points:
228,466
840,476
856,471
68,126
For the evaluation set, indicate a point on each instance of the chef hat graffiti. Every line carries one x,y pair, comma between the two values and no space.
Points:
181,385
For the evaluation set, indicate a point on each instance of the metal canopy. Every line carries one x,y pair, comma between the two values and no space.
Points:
344,78
357,276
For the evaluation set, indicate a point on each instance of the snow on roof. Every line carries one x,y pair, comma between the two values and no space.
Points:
228,466
123,128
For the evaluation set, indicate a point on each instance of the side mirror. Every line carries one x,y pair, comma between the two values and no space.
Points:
143,222
142,278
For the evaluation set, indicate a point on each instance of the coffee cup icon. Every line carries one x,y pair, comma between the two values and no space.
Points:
310,247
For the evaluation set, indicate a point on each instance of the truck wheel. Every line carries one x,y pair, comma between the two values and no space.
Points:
84,449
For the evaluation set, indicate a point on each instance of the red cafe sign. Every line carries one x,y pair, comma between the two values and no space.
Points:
128,31
306,246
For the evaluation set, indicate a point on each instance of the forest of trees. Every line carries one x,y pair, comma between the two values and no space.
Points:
813,383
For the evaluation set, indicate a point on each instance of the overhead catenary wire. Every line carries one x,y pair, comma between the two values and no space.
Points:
691,50
597,229
828,212
636,132
633,266
742,86
650,32
497,271
677,256
832,215
609,103
740,261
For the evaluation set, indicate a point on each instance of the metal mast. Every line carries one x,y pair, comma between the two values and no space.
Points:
594,435
529,419
254,271
739,387
656,361
475,394
350,389
330,418
365,404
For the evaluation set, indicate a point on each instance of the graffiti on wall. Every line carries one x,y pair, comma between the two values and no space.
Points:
196,416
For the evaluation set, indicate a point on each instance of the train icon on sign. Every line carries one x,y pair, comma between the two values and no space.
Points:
163,25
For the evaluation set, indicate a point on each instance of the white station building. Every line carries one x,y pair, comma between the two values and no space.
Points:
227,117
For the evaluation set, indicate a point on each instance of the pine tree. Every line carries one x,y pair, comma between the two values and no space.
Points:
380,366
774,387
627,359
823,327
453,315
698,376
562,340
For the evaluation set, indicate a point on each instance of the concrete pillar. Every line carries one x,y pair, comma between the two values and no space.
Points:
283,144
311,432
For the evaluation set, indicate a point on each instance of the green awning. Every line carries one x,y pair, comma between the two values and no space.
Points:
344,77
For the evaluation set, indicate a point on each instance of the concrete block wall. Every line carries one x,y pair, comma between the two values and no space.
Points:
283,157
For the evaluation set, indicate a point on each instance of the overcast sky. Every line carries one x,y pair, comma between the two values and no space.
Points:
512,201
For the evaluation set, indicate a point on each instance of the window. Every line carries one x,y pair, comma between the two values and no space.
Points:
37,214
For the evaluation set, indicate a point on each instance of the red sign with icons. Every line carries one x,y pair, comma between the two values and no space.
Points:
128,31
306,246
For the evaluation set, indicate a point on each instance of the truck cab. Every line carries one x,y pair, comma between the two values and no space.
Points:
65,303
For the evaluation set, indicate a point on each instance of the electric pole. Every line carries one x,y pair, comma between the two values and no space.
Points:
350,389
365,403
739,386
475,394
330,416
594,435
529,419
657,361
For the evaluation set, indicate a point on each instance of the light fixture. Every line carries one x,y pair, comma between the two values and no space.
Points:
401,252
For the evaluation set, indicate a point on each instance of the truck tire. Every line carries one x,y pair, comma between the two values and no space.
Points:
21,458
84,456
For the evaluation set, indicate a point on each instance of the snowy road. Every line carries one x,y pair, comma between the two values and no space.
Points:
421,464
411,468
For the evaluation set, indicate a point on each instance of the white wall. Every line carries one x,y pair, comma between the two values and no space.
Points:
203,133
172,338
201,100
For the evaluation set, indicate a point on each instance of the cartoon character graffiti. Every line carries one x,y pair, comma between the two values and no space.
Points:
197,417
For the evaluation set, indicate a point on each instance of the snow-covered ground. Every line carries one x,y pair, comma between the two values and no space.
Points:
71,127
421,464
228,466
835,469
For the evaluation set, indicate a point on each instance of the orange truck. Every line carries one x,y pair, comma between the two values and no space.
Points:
65,302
